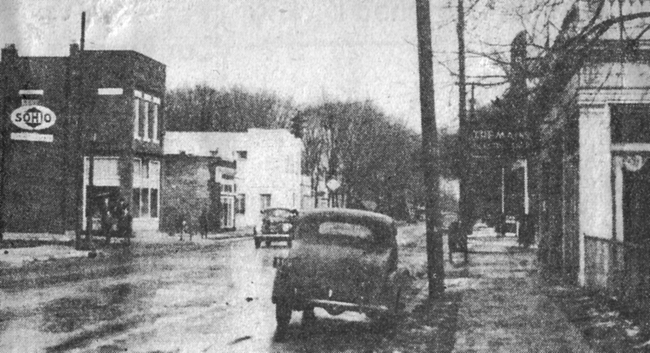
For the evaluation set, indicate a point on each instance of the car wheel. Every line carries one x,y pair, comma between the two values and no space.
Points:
288,243
257,244
388,320
282,315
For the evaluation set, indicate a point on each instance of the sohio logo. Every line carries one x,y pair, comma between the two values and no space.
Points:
33,117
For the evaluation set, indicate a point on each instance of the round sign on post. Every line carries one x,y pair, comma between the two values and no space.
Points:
333,184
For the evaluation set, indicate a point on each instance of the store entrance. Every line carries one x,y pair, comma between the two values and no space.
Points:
636,204
100,198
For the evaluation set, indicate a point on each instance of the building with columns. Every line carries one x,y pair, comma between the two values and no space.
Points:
591,172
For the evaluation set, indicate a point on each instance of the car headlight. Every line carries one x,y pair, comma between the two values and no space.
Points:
286,227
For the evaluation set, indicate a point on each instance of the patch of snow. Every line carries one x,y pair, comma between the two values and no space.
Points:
631,332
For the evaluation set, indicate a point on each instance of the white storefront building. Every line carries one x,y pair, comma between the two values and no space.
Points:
268,166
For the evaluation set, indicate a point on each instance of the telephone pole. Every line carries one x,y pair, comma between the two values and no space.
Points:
79,111
435,256
464,203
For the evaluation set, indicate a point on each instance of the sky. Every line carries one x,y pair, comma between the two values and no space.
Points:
309,51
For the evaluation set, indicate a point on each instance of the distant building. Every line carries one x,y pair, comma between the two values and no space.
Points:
268,166
57,111
197,184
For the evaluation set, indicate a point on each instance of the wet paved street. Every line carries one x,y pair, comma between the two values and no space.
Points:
212,298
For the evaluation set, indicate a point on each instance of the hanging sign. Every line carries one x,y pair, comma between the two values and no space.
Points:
493,142
33,117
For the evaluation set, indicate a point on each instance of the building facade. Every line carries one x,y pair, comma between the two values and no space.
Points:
268,166
105,111
591,173
194,185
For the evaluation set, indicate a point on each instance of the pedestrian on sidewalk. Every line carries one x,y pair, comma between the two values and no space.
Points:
106,219
501,225
203,223
125,224
183,226
457,240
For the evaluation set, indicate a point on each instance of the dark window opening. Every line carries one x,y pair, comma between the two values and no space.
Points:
154,203
630,123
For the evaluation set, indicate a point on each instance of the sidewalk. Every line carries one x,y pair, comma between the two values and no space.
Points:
61,246
502,308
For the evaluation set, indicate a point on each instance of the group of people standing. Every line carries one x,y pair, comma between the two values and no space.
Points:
116,221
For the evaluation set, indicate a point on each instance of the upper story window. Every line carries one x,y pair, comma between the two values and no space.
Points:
242,154
154,121
136,118
145,121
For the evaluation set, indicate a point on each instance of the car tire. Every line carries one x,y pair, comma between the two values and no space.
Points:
257,244
289,243
282,315
388,320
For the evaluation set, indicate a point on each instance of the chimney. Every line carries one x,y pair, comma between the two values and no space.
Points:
9,52
74,49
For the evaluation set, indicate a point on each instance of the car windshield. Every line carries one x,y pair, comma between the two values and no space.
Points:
279,213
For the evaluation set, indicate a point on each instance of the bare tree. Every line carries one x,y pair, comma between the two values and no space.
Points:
363,148
203,108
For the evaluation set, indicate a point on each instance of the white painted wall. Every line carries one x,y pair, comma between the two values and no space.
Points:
272,165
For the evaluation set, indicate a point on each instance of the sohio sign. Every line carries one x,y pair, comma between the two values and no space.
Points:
33,117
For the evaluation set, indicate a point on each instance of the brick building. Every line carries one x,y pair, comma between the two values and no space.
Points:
107,104
194,184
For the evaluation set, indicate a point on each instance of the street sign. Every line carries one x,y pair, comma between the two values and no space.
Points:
333,184
33,117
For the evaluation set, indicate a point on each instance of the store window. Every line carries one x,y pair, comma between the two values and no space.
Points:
265,201
136,203
227,215
146,186
154,203
240,206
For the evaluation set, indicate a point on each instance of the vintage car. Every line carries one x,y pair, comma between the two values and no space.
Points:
342,260
277,225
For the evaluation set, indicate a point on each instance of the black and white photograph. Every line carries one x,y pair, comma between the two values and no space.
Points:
271,176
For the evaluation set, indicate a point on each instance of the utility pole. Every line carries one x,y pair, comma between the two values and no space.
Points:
465,206
4,135
79,110
435,256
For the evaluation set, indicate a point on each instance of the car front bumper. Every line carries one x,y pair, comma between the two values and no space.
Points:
272,237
